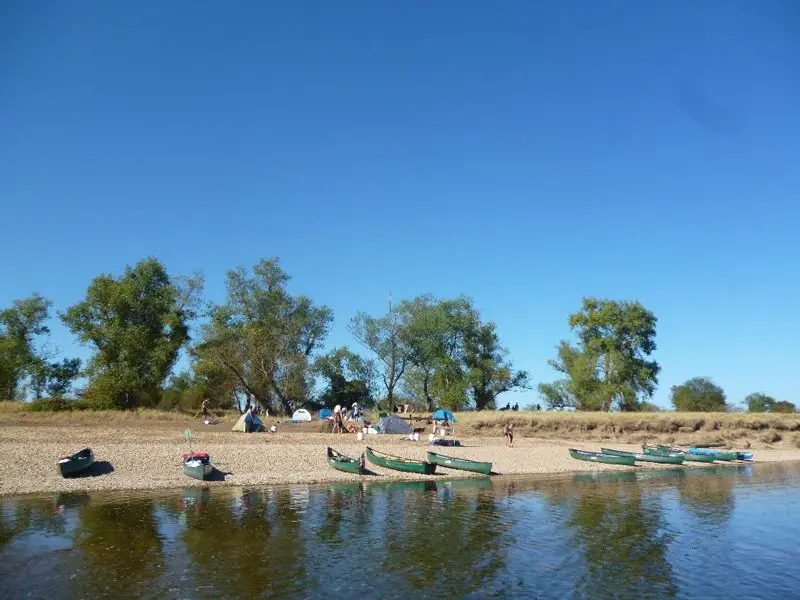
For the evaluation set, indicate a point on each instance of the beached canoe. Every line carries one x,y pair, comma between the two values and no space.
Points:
608,459
701,458
75,463
667,459
461,464
400,464
341,462
717,454
197,465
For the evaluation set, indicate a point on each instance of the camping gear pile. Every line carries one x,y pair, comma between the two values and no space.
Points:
75,463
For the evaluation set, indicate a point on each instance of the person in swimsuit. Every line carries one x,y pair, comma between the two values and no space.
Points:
509,433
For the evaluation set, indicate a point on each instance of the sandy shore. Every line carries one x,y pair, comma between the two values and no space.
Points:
131,458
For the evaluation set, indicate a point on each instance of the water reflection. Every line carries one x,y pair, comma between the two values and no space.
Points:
651,534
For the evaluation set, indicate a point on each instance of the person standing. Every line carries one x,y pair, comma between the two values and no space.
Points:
509,433
206,404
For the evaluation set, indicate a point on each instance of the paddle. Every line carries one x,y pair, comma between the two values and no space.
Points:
188,435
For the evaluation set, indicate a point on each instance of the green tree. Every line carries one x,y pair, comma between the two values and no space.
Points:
137,324
265,337
384,336
20,325
699,394
609,364
455,358
759,402
784,406
435,330
557,395
490,373
348,378
55,378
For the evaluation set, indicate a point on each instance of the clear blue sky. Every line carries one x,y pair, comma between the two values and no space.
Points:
524,153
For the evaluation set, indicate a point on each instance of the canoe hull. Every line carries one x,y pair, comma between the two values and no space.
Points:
197,470
664,459
345,464
76,463
400,464
599,457
717,454
700,458
462,464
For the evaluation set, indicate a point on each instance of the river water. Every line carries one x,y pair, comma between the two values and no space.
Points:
726,532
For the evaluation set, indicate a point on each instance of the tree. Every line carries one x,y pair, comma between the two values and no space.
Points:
384,336
557,395
490,373
759,402
699,394
609,365
784,406
349,378
56,377
19,327
265,337
137,324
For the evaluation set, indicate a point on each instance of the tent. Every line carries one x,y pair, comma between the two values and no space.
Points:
443,415
324,414
392,424
301,414
256,426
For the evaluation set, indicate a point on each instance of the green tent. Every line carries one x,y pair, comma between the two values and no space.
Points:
257,425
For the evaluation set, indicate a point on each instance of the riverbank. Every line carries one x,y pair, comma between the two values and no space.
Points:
136,454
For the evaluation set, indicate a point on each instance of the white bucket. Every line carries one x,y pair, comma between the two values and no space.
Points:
360,436
416,437
431,437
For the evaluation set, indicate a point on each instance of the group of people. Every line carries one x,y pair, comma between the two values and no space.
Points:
339,416
509,407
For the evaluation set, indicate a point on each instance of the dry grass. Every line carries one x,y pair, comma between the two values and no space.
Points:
731,429
740,430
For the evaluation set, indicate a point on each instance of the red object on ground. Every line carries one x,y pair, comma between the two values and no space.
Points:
200,455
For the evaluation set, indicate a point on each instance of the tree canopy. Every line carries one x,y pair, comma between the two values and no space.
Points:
608,366
759,402
137,324
265,337
699,394
20,325
348,378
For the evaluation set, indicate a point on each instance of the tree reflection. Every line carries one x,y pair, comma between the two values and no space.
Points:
453,542
121,549
618,531
28,515
252,552
708,494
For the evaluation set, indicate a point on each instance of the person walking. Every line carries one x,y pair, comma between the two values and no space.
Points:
509,433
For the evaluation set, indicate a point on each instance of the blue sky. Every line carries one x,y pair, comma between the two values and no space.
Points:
526,154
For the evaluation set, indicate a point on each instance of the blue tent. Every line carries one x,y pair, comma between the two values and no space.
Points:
443,415
324,414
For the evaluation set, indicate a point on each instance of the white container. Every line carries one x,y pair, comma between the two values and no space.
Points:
431,437
416,437
360,436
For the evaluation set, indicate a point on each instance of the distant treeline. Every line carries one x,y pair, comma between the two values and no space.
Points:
265,344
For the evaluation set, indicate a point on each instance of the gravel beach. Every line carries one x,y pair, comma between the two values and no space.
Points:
144,457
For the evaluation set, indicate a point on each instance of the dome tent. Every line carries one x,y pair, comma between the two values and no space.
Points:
257,425
301,414
392,424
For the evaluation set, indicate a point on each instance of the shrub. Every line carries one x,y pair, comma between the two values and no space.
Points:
771,437
56,404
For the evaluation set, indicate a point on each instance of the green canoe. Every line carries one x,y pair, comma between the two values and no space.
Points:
197,465
461,464
703,458
400,464
717,454
668,459
340,462
75,463
608,459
